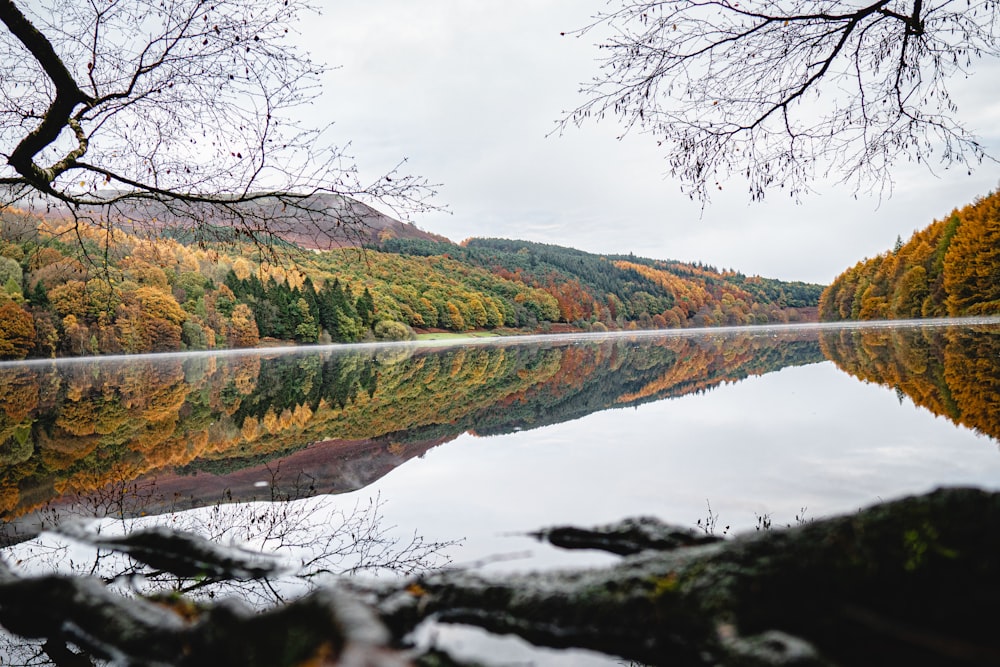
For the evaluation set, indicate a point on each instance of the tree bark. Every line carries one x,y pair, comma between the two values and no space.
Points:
913,581
57,117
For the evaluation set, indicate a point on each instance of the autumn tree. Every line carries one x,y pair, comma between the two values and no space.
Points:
46,333
952,267
178,112
17,331
69,298
781,91
910,293
452,318
243,330
972,263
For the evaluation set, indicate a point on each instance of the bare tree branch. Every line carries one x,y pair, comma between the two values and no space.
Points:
181,110
780,92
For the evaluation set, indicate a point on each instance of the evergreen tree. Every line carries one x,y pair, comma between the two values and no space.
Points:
365,307
306,331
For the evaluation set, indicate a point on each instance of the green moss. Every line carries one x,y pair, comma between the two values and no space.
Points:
918,543
664,585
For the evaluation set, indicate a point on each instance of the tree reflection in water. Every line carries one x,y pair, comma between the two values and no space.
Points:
298,540
953,371
70,429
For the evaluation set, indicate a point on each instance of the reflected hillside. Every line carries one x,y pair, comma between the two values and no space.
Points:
341,418
623,372
952,371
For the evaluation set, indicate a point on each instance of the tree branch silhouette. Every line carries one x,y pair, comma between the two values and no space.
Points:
781,92
193,123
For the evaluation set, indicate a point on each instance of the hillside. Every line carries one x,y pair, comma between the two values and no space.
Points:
70,289
620,290
950,268
319,222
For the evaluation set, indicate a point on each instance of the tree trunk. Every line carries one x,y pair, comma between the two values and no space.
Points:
908,582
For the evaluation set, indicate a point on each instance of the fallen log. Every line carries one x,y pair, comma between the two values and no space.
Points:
911,581
325,627
915,581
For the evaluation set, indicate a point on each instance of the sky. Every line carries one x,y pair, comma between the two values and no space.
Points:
470,92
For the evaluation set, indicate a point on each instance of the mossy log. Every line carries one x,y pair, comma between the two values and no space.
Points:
913,581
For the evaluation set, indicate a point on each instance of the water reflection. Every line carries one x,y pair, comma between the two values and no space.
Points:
952,371
126,437
337,417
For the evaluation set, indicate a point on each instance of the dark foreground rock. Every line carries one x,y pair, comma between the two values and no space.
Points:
914,581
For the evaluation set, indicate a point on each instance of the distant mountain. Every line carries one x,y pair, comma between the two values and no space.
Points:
348,223
319,222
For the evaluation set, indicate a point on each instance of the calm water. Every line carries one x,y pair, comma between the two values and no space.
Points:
485,441
478,441
916,408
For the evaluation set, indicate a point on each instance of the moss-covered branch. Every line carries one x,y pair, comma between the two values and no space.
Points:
911,581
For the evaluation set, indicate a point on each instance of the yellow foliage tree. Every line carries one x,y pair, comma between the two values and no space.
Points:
243,328
17,331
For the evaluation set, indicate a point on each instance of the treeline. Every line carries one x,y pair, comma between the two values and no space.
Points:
111,293
70,289
949,269
627,291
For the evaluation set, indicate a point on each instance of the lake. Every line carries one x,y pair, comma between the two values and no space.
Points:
472,445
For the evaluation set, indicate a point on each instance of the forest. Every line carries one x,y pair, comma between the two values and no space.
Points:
69,289
949,269
618,291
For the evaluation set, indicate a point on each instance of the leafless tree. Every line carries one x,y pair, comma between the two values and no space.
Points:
780,92
177,111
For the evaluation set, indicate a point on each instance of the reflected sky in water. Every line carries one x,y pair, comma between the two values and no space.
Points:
806,437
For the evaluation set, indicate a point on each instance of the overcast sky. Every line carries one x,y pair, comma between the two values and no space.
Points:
469,93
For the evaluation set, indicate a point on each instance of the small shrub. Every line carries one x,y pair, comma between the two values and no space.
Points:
392,330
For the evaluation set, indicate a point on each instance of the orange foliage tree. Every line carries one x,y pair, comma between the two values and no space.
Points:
952,268
972,263
243,329
17,331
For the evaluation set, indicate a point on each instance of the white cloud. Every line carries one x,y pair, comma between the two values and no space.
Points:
470,93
